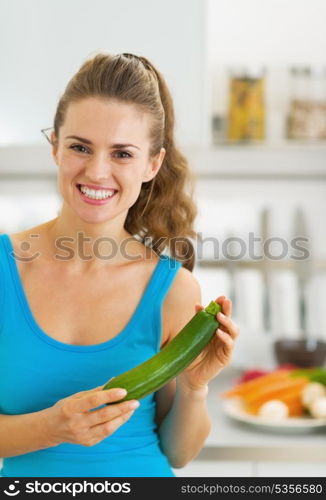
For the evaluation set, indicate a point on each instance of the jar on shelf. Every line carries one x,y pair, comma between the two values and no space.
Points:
307,109
246,111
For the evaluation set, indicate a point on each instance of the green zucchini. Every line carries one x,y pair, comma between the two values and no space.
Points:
152,374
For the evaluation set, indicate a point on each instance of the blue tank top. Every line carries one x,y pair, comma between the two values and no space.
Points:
36,371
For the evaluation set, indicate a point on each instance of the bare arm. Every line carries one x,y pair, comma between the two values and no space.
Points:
182,416
21,434
185,428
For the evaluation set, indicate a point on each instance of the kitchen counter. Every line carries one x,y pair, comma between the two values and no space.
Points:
237,441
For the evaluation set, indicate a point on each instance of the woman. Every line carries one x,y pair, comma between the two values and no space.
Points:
89,294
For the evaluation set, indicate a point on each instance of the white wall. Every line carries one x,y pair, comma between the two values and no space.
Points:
43,42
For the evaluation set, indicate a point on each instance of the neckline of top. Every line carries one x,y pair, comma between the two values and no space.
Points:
76,347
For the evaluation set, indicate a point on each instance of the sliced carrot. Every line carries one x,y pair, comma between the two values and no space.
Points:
250,385
294,403
296,410
275,390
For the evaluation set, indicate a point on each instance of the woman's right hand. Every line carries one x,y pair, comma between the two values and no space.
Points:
71,421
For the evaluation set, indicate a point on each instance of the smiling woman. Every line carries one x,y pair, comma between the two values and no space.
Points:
71,322
134,109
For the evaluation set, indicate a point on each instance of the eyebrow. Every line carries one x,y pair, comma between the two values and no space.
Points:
87,141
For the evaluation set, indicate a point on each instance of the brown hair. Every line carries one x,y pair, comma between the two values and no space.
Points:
168,219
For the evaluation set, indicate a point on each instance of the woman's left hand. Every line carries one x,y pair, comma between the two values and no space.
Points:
217,353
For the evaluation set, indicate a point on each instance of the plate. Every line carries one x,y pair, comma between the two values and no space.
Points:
234,409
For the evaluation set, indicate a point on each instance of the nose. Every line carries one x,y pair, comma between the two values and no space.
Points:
99,167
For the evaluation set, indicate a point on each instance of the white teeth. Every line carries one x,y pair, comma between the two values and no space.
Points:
96,194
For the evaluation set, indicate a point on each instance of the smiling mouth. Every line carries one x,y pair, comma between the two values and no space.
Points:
96,194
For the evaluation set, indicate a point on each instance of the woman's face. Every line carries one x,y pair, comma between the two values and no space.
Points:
103,158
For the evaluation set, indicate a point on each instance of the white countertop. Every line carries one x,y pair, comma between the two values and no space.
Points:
232,440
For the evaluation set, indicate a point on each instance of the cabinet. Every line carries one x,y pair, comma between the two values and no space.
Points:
273,192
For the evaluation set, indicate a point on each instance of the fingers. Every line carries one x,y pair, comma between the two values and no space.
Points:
82,394
97,398
102,431
227,307
226,339
111,412
226,304
232,328
222,301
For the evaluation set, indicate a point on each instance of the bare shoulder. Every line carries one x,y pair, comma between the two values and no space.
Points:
185,286
181,299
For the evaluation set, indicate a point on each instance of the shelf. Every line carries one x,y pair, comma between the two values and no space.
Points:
27,161
285,145
314,264
250,264
281,161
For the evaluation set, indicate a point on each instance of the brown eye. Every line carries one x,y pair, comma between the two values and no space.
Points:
123,154
79,148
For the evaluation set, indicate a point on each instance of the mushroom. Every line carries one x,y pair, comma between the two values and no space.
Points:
274,409
312,391
318,407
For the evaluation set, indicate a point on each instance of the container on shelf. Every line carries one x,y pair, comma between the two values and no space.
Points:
315,299
302,353
307,107
246,110
218,128
213,282
249,296
284,305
